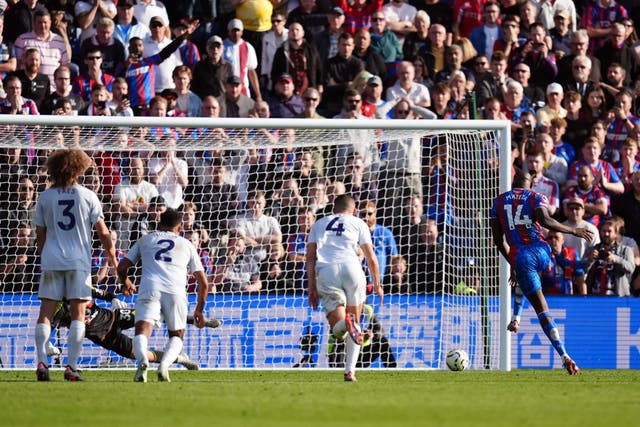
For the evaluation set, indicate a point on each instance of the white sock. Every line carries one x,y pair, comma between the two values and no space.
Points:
74,342
140,343
171,351
351,358
43,331
181,359
340,329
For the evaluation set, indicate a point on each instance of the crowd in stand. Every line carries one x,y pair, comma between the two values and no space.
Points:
565,73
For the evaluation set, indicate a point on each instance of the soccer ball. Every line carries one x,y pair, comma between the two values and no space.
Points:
457,360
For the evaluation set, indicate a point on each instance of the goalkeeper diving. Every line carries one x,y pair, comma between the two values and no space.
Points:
104,327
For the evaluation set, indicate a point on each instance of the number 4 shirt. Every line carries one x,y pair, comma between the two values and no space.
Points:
338,237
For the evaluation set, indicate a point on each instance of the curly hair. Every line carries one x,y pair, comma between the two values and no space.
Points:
66,166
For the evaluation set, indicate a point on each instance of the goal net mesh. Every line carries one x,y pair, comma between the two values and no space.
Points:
426,194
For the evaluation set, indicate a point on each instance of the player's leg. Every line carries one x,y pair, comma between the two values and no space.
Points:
175,310
50,291
518,299
78,291
354,285
147,314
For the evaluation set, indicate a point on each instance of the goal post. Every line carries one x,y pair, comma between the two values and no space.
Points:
429,184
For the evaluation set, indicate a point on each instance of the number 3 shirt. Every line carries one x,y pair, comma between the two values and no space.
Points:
338,237
166,260
68,216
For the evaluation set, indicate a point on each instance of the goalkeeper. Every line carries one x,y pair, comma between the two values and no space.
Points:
104,327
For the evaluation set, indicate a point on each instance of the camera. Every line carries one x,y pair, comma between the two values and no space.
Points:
125,96
617,104
603,254
537,45
102,104
136,55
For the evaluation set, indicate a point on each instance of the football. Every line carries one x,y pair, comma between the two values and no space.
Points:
457,360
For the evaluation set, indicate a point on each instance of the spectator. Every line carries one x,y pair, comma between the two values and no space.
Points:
493,83
574,211
127,26
19,18
312,17
610,263
310,101
169,174
561,32
480,67
297,249
622,121
327,41
156,42
242,57
54,51
627,206
549,13
285,103
89,13
385,42
561,148
595,108
601,169
234,103
237,270
382,239
555,167
536,54
187,102
426,260
358,14
441,95
399,16
614,82
514,104
112,49
598,19
580,74
453,62
298,58
405,87
596,202
511,41
97,105
93,74
467,15
440,12
357,182
271,41
20,266
564,275
372,61
195,237
8,61
540,183
148,221
133,196
575,133
528,16
372,96
120,103
14,103
340,72
20,206
145,10
579,43
553,109
415,40
35,85
62,92
189,53
397,281
191,221
484,36
211,72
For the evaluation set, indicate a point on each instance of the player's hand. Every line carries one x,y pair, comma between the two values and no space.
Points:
512,279
379,291
583,233
117,303
128,288
313,298
198,319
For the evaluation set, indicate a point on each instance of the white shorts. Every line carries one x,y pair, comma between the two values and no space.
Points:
69,284
341,284
174,307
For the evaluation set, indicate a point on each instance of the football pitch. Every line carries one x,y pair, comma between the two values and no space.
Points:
320,398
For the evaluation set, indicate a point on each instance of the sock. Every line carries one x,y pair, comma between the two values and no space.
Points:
340,329
140,349
352,350
74,344
181,358
171,351
517,304
43,331
551,330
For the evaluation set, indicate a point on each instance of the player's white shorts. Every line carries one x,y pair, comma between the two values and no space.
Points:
174,307
69,284
341,284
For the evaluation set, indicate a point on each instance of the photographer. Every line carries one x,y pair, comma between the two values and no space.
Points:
536,54
610,263
98,104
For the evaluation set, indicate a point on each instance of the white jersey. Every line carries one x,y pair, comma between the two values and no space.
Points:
338,237
68,216
167,259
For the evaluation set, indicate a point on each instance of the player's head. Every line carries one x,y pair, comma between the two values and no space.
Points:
344,203
521,179
170,219
66,166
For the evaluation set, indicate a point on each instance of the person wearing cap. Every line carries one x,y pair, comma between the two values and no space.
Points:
372,60
553,109
574,212
243,58
372,95
154,44
271,41
561,33
127,26
145,10
233,103
327,41
284,103
212,71
535,52
298,58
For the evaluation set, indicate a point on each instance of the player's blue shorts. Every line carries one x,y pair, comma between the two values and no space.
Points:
530,260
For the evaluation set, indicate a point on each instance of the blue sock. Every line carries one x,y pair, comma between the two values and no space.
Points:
517,303
551,330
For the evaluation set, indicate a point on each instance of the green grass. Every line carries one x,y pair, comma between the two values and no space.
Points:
320,398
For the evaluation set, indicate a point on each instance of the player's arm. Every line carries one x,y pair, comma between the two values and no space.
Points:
498,238
374,269
545,220
105,238
203,290
123,276
311,274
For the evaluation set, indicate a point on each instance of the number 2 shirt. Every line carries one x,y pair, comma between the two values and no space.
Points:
68,214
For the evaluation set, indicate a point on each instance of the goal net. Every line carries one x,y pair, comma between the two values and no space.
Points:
249,191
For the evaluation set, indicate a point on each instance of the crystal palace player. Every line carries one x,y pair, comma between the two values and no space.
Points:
104,327
518,215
